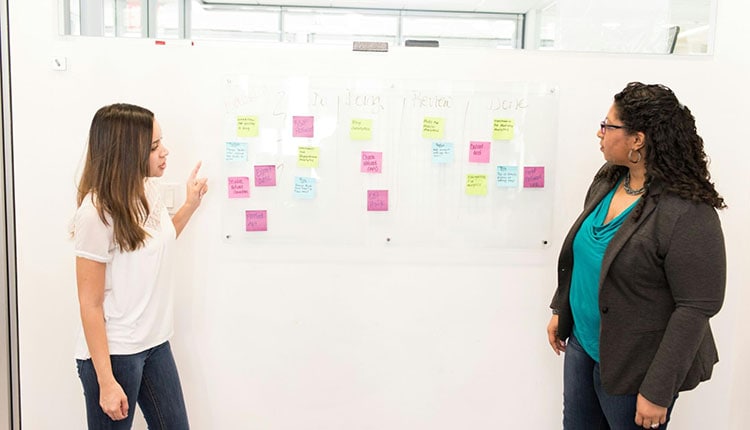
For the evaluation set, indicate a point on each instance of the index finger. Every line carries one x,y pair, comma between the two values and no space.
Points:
194,173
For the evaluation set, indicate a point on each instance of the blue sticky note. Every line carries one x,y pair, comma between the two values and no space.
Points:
304,187
442,152
235,151
507,176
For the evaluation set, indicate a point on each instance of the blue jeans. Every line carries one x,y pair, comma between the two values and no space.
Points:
586,406
148,378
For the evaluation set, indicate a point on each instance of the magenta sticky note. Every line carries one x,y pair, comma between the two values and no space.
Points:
372,162
479,152
256,221
303,126
239,187
377,200
533,177
265,176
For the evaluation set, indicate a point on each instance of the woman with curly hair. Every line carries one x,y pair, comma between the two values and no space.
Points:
123,237
641,271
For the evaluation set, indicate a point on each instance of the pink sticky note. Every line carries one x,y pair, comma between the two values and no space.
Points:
479,152
265,176
377,200
303,126
256,221
533,177
372,162
239,187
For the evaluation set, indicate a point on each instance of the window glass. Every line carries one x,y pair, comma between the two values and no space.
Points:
238,22
461,30
167,19
307,25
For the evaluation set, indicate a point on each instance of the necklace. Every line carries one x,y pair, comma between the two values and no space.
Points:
630,191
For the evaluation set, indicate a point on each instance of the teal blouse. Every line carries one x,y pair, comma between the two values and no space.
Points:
589,246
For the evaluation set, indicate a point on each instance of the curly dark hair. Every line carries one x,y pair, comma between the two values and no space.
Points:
673,149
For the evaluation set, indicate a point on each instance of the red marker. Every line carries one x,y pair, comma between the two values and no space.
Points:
160,42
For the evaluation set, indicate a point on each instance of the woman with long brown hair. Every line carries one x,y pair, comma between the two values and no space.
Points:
123,236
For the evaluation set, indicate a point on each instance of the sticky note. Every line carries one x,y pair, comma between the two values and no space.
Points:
433,128
256,221
247,126
372,162
502,129
442,152
235,151
377,200
303,126
533,177
361,129
308,156
239,187
476,185
304,187
265,176
507,176
479,152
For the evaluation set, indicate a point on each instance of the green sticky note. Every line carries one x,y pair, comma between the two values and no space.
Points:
433,128
476,185
502,129
247,126
361,129
308,156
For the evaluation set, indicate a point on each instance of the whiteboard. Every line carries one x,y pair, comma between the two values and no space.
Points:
397,163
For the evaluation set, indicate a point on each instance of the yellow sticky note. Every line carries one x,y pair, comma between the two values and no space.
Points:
361,129
476,185
247,126
433,128
502,129
308,156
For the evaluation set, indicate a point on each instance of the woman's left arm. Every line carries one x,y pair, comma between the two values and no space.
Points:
196,189
695,268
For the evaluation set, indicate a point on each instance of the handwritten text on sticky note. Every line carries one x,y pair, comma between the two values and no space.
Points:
304,187
239,187
433,128
256,220
308,156
476,185
502,129
442,152
361,129
377,200
507,176
479,152
372,162
265,176
303,126
235,151
247,126
533,177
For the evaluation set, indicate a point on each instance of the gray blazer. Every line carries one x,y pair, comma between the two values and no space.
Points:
663,276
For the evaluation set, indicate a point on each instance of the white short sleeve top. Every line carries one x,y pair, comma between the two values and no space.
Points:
138,291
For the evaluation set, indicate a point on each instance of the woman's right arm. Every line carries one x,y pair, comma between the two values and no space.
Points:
90,279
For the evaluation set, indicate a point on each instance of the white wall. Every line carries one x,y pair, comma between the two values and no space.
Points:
322,344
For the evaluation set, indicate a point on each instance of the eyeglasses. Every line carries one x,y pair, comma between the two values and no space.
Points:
603,126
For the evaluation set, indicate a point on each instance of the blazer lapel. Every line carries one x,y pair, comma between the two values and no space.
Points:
625,231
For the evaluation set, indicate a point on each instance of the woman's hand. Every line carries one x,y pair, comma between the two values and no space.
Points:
649,415
196,187
113,400
558,345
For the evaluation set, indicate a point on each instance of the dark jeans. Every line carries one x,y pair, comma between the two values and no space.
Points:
148,378
586,406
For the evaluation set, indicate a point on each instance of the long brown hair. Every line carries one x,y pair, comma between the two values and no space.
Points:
115,169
